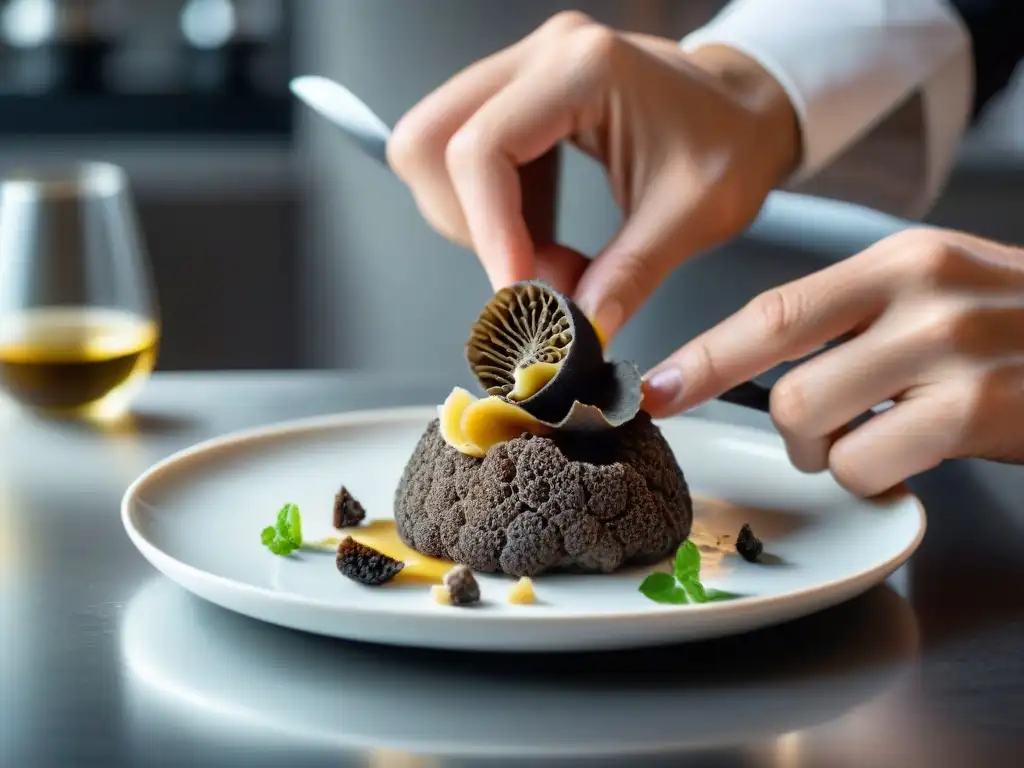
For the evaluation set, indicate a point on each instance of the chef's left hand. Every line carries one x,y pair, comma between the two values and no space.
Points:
937,319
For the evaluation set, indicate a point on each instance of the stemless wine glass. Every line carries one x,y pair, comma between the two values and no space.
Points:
79,325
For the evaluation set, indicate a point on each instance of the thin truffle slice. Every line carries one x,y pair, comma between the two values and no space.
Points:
364,564
615,401
347,509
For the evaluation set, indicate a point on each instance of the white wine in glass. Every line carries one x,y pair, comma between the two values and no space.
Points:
79,325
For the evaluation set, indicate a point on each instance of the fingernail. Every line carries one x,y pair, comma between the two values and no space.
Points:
663,387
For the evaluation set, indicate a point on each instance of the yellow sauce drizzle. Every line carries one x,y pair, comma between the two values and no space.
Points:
382,535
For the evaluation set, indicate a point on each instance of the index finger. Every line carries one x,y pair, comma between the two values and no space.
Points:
518,125
781,325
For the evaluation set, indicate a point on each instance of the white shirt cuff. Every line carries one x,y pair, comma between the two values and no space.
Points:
846,64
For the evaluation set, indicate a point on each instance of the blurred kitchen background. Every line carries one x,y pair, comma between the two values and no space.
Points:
276,245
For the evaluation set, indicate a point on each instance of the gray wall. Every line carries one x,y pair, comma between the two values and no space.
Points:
382,290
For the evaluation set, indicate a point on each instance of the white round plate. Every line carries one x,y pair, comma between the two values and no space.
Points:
197,516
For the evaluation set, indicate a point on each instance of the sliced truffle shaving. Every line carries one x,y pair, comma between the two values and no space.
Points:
364,564
450,418
619,403
471,425
491,421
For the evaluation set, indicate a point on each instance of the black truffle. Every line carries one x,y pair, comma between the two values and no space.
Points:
347,509
529,323
364,564
462,585
748,545
572,501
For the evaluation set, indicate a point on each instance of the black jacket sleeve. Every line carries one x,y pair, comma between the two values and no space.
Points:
997,38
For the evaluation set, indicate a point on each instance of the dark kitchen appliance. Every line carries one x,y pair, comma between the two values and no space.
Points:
145,67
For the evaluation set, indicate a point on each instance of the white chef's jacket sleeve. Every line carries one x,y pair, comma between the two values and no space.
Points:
882,90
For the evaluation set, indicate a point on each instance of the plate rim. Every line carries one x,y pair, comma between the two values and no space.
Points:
659,613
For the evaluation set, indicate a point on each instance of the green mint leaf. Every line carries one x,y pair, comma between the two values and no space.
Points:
687,561
694,589
281,546
714,595
663,588
658,582
285,536
289,524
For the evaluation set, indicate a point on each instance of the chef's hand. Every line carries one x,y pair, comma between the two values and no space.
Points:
692,144
937,319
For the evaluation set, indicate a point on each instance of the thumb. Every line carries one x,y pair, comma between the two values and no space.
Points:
653,241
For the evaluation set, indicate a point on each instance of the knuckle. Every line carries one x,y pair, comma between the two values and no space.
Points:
593,42
929,257
777,311
939,261
788,405
947,327
565,22
410,146
729,209
705,367
918,238
465,147
913,237
589,55
851,471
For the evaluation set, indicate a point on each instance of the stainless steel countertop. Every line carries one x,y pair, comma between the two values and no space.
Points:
104,662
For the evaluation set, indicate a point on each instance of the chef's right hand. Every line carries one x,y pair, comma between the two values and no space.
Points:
692,143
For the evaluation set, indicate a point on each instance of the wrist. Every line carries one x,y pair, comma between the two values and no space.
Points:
762,96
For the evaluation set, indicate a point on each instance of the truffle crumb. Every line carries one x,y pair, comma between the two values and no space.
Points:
347,509
462,585
522,592
748,545
364,564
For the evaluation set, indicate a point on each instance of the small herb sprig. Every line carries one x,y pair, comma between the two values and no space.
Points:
683,585
285,536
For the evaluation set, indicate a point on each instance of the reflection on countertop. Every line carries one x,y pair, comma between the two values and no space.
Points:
228,680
